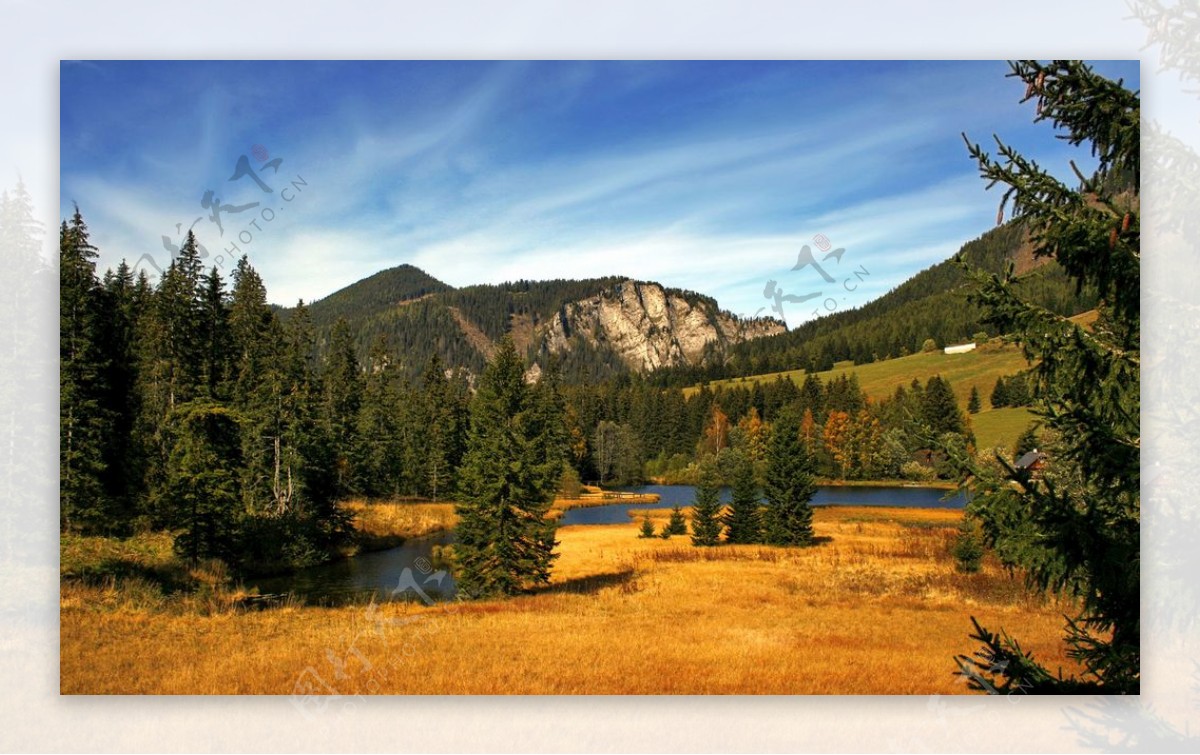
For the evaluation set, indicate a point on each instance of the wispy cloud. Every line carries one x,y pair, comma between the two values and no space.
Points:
703,176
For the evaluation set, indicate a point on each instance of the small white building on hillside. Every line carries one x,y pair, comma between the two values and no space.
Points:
962,348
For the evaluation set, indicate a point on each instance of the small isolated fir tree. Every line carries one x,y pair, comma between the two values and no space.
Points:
973,405
999,397
743,518
647,527
677,524
706,511
789,485
968,548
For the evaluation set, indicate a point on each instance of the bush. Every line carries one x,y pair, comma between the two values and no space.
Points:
569,485
917,472
929,345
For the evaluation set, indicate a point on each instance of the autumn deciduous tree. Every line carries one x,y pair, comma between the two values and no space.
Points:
836,436
716,433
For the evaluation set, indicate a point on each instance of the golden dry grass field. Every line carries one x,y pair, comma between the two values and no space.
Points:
876,607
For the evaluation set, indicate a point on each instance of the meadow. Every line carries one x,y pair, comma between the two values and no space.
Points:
876,607
977,369
974,369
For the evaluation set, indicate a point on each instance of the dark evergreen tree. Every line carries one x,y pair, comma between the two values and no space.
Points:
309,433
677,524
180,311
743,519
1017,388
812,396
999,398
647,530
789,488
1076,528
343,398
506,484
973,405
217,352
171,346
940,409
547,430
706,510
379,452
202,481
259,392
126,299
85,423
442,430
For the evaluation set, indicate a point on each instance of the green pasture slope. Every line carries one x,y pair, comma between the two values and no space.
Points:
978,368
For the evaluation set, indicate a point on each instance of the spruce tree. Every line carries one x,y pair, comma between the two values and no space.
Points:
973,405
126,300
789,488
217,349
506,484
743,519
647,530
677,524
171,350
706,510
441,428
940,409
378,450
812,397
999,397
307,436
343,397
261,393
202,481
1078,527
84,421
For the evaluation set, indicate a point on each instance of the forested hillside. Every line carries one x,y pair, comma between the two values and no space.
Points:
931,304
595,328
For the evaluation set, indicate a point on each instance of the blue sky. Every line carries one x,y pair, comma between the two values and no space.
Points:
702,175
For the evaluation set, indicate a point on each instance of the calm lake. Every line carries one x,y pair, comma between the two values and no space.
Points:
413,570
684,495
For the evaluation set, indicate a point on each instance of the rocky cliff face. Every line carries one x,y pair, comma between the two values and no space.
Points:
648,326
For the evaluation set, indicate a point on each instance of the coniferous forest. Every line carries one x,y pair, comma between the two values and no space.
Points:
191,404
